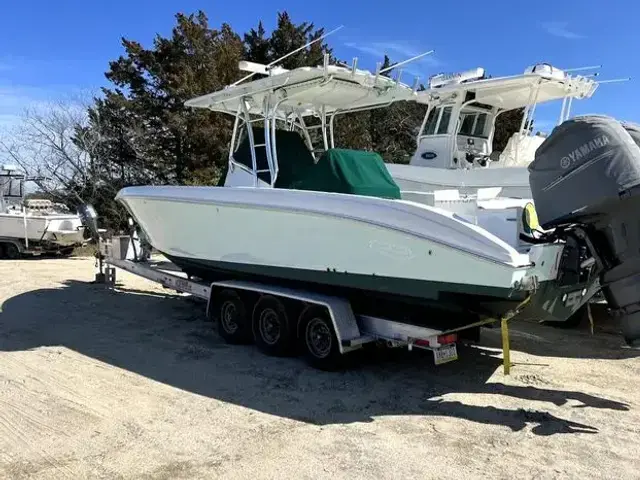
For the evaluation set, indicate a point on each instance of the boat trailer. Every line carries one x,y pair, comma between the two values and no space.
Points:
322,318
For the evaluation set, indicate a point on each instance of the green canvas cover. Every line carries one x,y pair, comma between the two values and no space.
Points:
293,156
348,171
338,170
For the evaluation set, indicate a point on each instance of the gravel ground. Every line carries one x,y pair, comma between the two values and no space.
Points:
134,383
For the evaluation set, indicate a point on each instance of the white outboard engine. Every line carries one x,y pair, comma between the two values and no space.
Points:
585,182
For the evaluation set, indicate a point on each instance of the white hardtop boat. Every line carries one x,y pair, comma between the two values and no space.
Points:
331,219
35,225
454,144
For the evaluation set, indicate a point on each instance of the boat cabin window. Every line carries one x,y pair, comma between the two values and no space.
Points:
466,124
445,118
472,124
432,121
437,122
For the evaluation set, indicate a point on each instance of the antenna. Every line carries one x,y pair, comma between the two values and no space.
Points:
278,60
579,69
615,80
404,62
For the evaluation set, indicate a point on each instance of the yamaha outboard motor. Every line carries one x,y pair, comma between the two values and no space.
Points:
585,182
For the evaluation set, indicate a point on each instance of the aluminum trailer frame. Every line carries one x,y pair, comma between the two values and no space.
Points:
352,331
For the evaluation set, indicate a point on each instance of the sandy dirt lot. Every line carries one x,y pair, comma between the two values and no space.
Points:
134,383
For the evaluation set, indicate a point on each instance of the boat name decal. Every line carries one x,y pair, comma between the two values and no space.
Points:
584,150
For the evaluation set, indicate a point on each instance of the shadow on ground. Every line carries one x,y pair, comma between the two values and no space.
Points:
167,339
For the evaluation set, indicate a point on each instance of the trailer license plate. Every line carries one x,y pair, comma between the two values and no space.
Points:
445,353
183,285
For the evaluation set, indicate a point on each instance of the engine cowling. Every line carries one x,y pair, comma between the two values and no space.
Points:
585,179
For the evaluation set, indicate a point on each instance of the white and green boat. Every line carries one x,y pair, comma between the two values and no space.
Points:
296,211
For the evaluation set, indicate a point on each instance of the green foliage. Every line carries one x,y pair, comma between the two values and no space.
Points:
507,124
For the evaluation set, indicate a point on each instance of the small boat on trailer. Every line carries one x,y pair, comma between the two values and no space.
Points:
33,226
315,246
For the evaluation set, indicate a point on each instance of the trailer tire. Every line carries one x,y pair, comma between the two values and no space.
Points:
11,252
318,339
66,252
230,314
272,329
2,252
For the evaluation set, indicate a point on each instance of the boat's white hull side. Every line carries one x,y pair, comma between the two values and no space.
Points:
514,181
320,232
63,230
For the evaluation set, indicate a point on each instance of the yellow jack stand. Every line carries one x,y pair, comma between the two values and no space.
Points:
506,351
504,327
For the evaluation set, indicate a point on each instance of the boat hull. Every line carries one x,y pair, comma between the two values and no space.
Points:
62,230
343,244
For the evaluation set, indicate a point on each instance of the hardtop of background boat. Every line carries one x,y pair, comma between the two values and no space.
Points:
459,126
509,92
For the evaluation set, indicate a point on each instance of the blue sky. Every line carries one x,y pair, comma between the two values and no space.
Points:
50,50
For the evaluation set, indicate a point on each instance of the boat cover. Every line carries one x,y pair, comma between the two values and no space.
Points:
634,131
348,171
586,162
293,156
338,170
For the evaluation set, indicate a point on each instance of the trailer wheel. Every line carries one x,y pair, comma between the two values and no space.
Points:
318,339
230,314
11,251
66,252
272,331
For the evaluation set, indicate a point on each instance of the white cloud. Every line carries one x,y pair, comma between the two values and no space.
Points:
560,29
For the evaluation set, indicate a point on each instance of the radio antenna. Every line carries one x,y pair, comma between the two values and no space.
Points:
278,60
404,62
580,69
615,80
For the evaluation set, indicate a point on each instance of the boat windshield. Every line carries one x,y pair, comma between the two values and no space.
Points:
438,121
473,124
